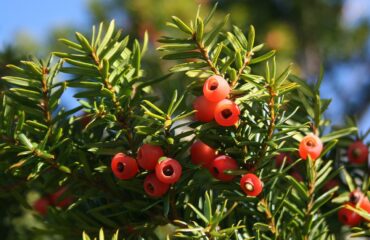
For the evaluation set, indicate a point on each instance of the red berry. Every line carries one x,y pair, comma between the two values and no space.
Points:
360,200
153,187
310,145
205,109
202,154
226,113
124,167
365,204
220,164
41,205
251,184
148,155
279,159
358,153
349,217
60,199
216,88
168,170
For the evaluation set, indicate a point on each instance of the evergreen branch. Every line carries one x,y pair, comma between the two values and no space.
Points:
20,182
247,59
205,55
119,111
45,96
271,126
269,217
311,198
106,82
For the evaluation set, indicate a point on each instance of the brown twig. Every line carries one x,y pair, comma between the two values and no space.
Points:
119,110
206,57
247,59
106,82
269,216
271,127
311,190
45,96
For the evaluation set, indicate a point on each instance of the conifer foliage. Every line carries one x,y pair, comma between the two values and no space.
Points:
202,166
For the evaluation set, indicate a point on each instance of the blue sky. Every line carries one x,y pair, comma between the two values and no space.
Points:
38,17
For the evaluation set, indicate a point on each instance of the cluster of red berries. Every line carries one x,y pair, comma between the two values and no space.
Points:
42,204
214,105
358,153
356,200
206,156
150,157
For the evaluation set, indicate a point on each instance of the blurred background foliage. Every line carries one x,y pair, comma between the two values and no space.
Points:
334,33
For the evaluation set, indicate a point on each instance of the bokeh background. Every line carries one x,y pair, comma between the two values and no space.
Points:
334,34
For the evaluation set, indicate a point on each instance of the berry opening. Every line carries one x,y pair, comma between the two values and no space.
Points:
213,85
216,170
120,167
356,152
249,186
310,143
226,113
150,187
344,218
168,171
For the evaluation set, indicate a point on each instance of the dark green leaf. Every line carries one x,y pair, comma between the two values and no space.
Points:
188,66
181,25
107,37
200,29
84,43
178,47
263,57
210,36
240,36
211,13
182,55
301,189
251,36
199,214
338,134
